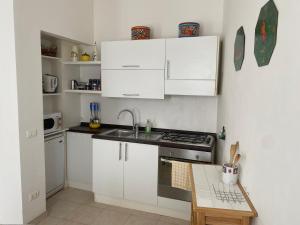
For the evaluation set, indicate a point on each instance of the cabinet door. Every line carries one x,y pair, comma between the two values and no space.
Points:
107,168
141,173
133,83
79,160
192,58
142,54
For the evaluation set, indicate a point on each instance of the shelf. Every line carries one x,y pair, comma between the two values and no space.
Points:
56,132
83,92
51,94
82,63
50,57
47,35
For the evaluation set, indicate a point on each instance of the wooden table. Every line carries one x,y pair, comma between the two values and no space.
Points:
208,189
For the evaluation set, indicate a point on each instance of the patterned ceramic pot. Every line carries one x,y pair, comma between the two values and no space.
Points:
189,29
230,174
140,33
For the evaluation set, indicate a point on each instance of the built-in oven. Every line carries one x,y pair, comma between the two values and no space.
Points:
174,179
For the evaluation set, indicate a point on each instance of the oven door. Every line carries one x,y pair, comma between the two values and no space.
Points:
174,179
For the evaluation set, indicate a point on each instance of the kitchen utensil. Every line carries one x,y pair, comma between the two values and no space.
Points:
232,153
74,53
50,83
189,29
94,84
95,120
236,159
140,33
85,57
95,54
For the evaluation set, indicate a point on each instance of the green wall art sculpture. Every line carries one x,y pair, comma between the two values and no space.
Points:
239,48
266,33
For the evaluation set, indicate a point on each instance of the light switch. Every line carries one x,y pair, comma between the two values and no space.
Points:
31,133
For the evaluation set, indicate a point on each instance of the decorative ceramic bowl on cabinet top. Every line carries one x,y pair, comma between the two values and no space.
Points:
189,29
140,33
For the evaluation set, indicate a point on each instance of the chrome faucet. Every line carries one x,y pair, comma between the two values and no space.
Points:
135,126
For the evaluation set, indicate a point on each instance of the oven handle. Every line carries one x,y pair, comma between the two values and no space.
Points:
165,160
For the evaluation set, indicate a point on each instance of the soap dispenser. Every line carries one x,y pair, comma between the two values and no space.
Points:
148,127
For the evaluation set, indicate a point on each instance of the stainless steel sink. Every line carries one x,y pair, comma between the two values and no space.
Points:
118,133
153,136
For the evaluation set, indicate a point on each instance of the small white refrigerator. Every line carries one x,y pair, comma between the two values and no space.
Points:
54,164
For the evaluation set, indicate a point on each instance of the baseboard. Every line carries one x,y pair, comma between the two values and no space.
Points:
39,218
81,186
185,215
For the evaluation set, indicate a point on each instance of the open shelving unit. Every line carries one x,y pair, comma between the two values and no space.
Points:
83,92
71,103
82,63
51,94
51,57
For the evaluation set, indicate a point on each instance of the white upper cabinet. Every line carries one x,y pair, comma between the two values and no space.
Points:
133,55
147,84
192,66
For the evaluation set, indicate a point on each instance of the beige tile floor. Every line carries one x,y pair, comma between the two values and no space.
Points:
76,207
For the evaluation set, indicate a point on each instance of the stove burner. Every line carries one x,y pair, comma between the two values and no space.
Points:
191,139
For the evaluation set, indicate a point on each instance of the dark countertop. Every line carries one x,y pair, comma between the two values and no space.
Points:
84,128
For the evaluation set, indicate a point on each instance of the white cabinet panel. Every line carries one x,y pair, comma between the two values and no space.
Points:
191,87
133,83
79,160
192,58
140,173
54,163
141,54
107,168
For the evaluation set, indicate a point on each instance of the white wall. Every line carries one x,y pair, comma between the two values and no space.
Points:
10,171
62,17
113,21
260,108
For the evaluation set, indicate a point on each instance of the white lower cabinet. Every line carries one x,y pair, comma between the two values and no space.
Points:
108,168
79,160
140,173
125,170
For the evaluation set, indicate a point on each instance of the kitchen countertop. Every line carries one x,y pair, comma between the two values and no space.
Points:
211,198
97,134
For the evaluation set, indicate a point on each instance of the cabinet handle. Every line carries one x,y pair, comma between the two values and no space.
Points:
126,152
131,95
131,66
168,69
120,151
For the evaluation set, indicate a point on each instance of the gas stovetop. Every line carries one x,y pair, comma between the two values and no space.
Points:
189,139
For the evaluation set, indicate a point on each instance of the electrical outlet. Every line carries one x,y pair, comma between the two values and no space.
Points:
33,196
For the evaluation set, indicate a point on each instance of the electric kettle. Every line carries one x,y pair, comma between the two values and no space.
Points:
50,83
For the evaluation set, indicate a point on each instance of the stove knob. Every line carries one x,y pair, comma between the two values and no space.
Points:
197,157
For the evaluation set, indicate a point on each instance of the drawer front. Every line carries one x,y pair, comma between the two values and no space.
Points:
133,55
133,84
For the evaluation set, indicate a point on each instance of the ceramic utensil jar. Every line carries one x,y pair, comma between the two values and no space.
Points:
230,173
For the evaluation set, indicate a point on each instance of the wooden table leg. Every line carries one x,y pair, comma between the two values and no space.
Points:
202,219
246,221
